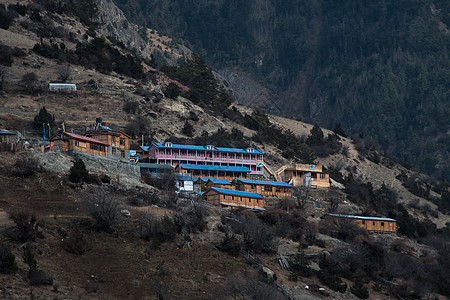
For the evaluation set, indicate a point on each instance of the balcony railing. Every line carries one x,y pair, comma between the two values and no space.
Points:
211,159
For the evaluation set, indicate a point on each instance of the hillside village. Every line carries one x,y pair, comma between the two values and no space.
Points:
117,184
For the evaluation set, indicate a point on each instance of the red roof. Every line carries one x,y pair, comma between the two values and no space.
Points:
85,138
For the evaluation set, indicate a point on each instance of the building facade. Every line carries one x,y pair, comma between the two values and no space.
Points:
234,199
66,141
304,175
213,171
371,224
174,154
264,188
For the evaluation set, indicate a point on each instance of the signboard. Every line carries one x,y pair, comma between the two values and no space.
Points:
311,167
132,152
260,164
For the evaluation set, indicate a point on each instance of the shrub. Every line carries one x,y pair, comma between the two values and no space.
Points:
25,167
299,265
172,91
131,107
28,81
27,222
104,210
359,290
7,260
157,231
191,220
188,129
76,243
39,277
5,17
29,257
230,244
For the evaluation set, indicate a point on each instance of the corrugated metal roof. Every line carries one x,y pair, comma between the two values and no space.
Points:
263,182
8,132
219,181
204,148
237,193
185,178
214,168
145,148
362,217
85,138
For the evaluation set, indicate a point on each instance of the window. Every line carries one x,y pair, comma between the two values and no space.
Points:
113,150
253,186
122,141
364,222
122,154
373,223
249,200
77,143
322,176
382,224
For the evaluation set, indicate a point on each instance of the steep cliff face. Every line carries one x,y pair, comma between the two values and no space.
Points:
146,42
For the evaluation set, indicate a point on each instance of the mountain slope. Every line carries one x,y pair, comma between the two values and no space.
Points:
379,69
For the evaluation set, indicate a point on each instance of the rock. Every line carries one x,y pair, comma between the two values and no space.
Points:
126,213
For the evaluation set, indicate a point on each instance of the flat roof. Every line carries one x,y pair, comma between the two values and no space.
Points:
362,217
204,148
237,193
85,138
263,182
214,168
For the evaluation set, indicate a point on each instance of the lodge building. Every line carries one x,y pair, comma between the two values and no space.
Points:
66,141
174,154
371,224
304,175
264,188
222,172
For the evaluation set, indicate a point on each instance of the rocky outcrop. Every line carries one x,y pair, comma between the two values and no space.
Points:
144,41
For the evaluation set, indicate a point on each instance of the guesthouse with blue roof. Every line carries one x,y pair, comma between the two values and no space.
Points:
234,199
174,154
264,188
212,171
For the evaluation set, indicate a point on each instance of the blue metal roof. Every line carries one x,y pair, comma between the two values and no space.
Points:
214,168
203,148
263,182
145,148
236,193
185,178
362,217
8,132
219,181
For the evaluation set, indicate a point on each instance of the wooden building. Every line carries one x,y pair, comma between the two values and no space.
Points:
264,188
221,172
174,154
304,175
371,224
155,169
234,199
8,137
118,140
65,141
218,183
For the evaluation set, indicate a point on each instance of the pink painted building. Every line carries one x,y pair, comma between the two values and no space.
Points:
174,154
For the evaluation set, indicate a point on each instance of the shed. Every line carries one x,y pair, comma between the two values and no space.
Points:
62,87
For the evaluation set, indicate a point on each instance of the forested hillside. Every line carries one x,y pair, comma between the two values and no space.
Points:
379,68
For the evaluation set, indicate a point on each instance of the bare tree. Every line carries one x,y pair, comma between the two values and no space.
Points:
104,209
63,73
